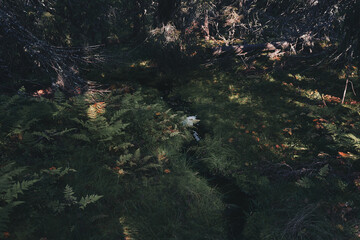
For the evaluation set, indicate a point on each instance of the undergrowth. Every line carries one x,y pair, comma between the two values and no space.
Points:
100,166
278,156
292,150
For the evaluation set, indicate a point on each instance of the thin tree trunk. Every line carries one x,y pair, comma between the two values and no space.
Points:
206,26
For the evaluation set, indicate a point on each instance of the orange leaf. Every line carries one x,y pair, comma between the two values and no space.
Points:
345,155
288,130
167,171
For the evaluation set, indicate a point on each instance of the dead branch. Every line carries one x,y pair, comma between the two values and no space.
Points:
285,171
61,61
241,49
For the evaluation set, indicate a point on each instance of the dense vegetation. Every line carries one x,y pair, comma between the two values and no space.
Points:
98,138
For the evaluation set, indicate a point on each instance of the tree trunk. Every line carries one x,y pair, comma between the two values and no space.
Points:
206,26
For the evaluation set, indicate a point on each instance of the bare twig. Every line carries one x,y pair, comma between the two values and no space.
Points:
346,85
59,60
352,87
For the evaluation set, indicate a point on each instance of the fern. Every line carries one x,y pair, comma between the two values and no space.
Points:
16,189
5,213
69,195
117,115
305,182
56,206
59,97
59,171
324,171
81,137
10,190
84,201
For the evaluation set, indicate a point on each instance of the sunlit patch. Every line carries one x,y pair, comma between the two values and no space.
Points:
42,92
193,54
311,94
47,15
299,77
96,109
172,131
344,155
357,183
351,102
234,96
288,131
318,125
127,230
162,156
144,63
331,99
287,84
240,100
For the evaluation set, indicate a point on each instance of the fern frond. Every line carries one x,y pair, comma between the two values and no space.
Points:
81,137
16,189
69,195
117,115
84,201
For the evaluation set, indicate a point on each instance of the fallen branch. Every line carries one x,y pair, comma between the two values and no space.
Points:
285,171
62,61
241,49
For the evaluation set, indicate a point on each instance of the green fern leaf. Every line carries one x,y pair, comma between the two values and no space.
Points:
69,195
84,201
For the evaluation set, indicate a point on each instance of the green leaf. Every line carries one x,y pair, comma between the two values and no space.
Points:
84,201
304,182
324,171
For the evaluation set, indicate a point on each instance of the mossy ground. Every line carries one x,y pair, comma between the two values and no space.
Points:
269,129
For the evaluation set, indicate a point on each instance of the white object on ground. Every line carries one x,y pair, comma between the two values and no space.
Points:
190,121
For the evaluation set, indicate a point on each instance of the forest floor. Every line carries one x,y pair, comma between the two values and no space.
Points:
278,156
270,130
